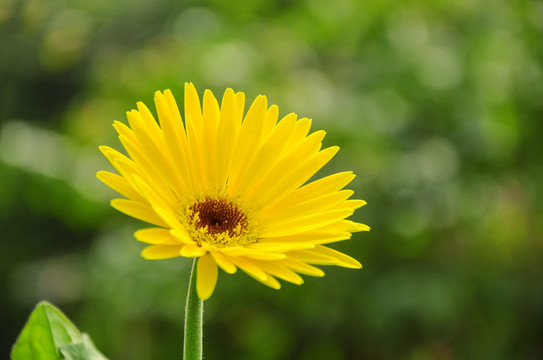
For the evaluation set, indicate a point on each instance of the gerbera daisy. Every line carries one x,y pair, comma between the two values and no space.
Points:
230,188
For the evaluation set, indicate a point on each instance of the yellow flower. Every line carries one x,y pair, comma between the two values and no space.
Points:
231,189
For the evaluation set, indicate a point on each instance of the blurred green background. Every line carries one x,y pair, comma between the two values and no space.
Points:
437,106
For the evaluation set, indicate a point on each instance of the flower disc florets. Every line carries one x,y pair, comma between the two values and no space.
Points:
218,222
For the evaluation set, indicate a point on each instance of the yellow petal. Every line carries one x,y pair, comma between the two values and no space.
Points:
192,107
307,223
148,169
240,105
127,169
315,189
234,251
156,236
298,135
119,184
211,113
138,210
223,262
281,272
277,167
313,257
264,158
174,137
265,255
229,127
192,251
271,282
249,136
158,252
114,156
148,121
152,197
151,143
194,128
182,236
345,225
254,271
181,136
279,247
318,204
270,121
302,267
169,218
206,276
352,204
194,139
310,238
294,179
249,267
177,121
342,259
124,130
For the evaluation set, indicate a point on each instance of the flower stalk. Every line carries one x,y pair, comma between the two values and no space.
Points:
194,309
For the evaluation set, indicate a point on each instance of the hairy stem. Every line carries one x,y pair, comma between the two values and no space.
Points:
193,320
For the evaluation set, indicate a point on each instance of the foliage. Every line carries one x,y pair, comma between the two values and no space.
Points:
436,106
50,335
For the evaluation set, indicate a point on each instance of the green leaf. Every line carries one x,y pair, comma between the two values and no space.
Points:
50,335
84,350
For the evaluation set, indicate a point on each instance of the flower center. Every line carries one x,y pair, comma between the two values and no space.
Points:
218,216
218,222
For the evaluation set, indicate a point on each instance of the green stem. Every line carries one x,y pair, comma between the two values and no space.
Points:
193,321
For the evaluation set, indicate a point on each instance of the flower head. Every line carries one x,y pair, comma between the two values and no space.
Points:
231,188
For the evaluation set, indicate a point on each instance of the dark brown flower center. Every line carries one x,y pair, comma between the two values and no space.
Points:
219,216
